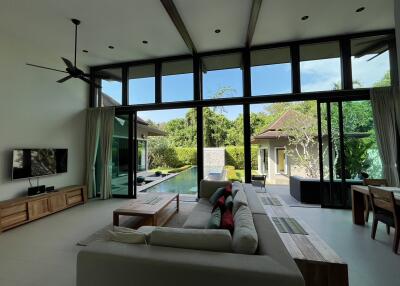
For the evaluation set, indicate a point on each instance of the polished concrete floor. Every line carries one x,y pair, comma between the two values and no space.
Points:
44,252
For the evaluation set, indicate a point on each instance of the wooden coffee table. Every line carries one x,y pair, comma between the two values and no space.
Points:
152,205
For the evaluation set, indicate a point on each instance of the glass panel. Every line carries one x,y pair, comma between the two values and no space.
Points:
177,81
110,81
222,76
167,151
142,84
223,143
320,67
370,61
142,155
361,150
284,141
271,72
120,158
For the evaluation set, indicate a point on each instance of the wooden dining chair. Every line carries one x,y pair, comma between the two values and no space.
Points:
385,210
371,182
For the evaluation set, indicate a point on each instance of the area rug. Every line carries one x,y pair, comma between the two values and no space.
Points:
271,201
185,208
288,225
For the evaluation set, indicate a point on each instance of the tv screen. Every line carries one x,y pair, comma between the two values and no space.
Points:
29,163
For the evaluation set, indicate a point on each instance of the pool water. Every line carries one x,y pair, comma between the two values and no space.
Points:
183,183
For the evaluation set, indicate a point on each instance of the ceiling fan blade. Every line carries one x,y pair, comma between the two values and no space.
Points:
89,81
64,79
68,63
42,67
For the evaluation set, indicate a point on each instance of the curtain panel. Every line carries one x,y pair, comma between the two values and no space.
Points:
106,138
99,132
92,143
384,109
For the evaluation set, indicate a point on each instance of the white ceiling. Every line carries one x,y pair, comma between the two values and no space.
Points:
280,21
125,23
202,17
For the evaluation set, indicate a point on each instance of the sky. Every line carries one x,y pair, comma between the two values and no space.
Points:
316,75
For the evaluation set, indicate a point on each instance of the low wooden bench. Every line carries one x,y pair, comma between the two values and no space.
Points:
318,263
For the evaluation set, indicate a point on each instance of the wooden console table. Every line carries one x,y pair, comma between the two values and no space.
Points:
318,263
22,210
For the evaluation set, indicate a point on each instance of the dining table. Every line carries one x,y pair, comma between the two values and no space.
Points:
359,192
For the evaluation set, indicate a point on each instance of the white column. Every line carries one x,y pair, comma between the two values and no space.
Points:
397,25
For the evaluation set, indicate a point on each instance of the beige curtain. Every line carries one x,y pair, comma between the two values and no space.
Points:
92,143
106,137
383,101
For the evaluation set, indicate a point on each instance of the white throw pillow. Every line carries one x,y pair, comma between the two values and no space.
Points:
245,238
236,186
240,199
127,235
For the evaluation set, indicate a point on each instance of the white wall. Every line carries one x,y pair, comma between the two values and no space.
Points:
36,112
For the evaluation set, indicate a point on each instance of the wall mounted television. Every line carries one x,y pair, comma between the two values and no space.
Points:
30,163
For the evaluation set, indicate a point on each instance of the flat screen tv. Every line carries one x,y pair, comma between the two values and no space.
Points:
29,163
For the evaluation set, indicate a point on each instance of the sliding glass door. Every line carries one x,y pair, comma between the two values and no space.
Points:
348,149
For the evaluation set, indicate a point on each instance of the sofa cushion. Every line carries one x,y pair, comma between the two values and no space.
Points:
236,186
215,219
253,201
239,200
245,238
220,204
200,215
227,221
207,187
229,203
124,236
147,230
216,195
200,239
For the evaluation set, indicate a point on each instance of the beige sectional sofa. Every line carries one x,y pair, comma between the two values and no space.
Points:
120,264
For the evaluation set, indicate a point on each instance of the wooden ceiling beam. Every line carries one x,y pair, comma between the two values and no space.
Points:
178,22
255,11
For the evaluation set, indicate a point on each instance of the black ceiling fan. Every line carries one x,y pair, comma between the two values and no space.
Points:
72,70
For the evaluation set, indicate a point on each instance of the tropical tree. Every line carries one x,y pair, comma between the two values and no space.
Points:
302,131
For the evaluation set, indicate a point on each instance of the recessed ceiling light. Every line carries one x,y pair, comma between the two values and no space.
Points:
304,18
85,51
217,31
360,9
145,42
111,47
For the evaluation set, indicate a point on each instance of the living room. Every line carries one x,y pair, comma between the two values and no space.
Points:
186,138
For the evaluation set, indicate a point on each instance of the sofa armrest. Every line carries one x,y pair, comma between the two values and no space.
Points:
208,187
117,264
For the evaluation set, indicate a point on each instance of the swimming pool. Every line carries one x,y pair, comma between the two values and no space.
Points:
183,183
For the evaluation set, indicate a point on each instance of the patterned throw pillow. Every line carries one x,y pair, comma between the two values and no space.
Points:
227,221
228,190
229,203
216,195
220,204
215,219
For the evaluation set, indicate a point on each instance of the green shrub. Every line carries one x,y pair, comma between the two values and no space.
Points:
231,174
186,155
254,157
235,156
229,167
